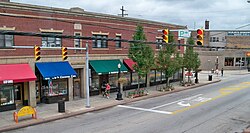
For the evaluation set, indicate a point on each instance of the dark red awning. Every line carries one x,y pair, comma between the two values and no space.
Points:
14,73
129,63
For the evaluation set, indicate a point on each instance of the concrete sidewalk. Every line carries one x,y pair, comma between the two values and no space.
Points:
49,112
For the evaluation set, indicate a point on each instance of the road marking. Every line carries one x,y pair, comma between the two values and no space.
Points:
223,92
183,104
148,110
188,98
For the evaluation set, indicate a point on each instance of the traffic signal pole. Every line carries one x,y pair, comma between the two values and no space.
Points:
87,76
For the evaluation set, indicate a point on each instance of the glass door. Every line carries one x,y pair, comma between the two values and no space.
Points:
18,93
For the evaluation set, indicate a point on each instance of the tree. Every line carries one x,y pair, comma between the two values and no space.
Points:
141,53
191,59
168,60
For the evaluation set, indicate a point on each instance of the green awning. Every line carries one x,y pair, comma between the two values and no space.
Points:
107,66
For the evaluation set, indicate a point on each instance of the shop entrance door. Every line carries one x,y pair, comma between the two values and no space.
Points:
18,91
76,89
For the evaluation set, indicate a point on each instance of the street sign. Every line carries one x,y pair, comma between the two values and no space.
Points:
183,34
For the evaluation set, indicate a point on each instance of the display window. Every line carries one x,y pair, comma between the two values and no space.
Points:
127,76
163,76
94,83
113,78
229,61
54,87
6,95
158,76
134,79
152,76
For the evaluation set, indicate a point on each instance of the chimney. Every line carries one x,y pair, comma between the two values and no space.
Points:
206,24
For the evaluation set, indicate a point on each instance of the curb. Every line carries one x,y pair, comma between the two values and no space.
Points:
97,108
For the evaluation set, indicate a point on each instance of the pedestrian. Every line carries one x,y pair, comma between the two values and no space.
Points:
217,72
107,90
221,71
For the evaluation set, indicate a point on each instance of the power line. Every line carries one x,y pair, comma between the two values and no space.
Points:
107,39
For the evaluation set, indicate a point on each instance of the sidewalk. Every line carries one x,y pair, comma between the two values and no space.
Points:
49,112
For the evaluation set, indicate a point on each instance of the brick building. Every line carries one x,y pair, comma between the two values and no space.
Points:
50,79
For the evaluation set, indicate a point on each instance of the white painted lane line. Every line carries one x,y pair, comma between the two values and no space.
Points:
188,98
143,109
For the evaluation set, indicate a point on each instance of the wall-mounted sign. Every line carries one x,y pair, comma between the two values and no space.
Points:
238,33
7,81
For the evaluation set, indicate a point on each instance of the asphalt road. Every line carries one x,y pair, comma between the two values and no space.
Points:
223,107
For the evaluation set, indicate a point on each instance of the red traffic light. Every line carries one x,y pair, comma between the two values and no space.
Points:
199,31
165,32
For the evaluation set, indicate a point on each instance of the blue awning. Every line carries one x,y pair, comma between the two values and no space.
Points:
55,70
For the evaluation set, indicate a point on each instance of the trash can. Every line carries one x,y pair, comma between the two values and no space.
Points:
210,77
61,106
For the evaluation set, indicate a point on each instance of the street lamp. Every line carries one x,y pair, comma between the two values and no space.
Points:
119,94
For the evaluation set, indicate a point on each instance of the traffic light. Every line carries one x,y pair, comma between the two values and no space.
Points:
64,53
199,37
165,35
37,53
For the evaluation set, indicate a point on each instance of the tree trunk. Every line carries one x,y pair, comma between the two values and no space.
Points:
167,84
189,79
139,77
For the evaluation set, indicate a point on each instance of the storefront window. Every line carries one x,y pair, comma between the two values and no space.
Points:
54,87
6,94
152,76
229,61
127,76
239,61
134,79
113,78
94,82
163,76
158,75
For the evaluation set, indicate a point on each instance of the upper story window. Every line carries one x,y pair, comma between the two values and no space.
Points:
118,43
6,40
100,41
159,44
77,42
214,39
51,41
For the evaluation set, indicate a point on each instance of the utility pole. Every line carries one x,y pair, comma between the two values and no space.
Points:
123,10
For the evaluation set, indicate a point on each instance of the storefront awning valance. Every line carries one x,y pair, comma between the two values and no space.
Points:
55,70
107,66
129,63
15,73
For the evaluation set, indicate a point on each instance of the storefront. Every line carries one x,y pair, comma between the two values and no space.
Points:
14,90
102,72
53,84
132,76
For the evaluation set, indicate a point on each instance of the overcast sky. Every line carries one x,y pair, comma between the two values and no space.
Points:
222,14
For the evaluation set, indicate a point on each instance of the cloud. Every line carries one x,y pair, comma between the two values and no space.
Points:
222,14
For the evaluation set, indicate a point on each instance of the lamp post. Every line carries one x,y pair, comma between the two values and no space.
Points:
119,94
217,62
208,66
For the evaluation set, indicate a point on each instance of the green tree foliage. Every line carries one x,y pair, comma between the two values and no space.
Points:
191,59
168,60
141,53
